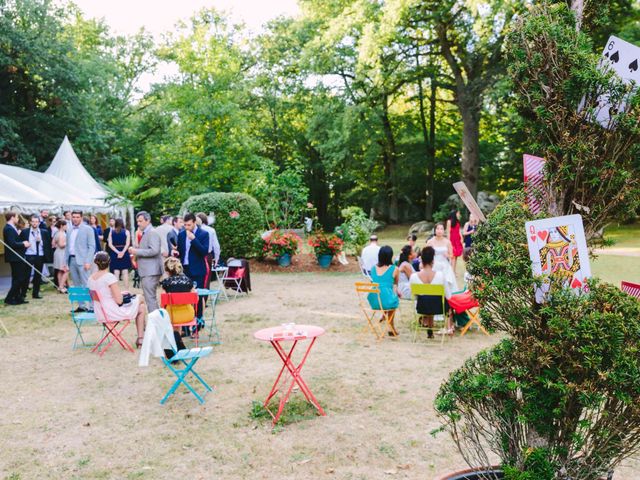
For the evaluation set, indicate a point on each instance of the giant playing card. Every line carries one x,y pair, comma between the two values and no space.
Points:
558,251
622,58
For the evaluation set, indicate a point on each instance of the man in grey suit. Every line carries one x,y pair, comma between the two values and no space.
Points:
163,230
149,255
81,246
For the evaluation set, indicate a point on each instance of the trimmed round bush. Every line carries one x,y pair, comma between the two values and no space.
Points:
239,218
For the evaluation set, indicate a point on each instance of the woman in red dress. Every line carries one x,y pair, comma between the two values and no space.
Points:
455,237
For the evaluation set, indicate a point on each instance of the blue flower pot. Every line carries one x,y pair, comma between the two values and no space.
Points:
284,260
324,260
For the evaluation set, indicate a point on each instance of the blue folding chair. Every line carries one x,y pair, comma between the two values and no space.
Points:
79,296
188,358
212,301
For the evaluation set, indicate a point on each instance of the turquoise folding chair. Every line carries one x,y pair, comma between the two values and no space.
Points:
79,296
188,358
212,301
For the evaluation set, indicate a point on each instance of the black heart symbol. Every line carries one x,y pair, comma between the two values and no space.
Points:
633,66
615,57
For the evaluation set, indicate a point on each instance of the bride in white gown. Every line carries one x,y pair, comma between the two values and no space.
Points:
444,251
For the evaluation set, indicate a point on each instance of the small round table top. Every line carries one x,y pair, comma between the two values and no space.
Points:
295,332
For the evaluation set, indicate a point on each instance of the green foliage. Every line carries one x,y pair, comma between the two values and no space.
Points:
128,191
325,243
562,392
355,230
239,219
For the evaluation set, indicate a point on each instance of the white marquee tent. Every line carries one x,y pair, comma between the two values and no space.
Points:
65,184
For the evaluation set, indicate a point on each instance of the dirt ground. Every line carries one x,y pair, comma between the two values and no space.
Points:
71,414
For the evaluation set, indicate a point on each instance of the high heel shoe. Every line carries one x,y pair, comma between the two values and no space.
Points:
139,342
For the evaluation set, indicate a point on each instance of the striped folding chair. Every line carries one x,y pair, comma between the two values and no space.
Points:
632,289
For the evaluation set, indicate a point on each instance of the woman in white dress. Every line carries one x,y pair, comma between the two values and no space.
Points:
59,243
111,300
443,254
405,270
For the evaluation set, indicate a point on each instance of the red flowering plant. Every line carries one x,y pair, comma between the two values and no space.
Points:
278,243
326,244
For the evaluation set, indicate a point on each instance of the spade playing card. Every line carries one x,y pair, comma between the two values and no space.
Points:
558,251
623,58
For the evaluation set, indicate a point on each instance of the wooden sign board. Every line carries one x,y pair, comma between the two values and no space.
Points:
468,200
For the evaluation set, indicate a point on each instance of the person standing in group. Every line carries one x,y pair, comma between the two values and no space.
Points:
193,246
469,230
37,253
93,223
149,257
214,244
163,230
118,243
443,253
81,247
42,220
369,255
67,216
454,234
14,256
172,236
59,262
105,235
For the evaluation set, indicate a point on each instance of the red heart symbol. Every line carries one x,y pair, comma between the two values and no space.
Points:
545,266
576,283
543,234
533,238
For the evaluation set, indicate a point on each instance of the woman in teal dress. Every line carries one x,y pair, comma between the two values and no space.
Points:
385,274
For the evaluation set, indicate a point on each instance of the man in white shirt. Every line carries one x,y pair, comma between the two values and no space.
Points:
214,244
369,255
37,253
163,230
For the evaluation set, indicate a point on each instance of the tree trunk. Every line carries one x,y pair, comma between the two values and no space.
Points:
429,140
389,161
470,146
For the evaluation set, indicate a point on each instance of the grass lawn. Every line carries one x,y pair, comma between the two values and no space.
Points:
624,236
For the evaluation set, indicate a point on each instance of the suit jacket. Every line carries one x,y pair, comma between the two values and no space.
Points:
149,254
85,247
163,230
12,238
172,238
197,252
47,249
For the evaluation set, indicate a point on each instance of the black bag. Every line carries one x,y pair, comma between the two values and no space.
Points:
126,298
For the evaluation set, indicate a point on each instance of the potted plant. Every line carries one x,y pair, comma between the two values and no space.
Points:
281,245
325,247
558,397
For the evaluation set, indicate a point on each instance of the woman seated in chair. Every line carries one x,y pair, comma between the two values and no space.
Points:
385,274
112,299
426,303
178,282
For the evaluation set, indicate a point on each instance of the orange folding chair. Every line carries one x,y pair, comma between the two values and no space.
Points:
183,298
378,320
112,328
464,302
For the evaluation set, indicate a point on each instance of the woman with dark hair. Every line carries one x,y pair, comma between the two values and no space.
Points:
405,270
112,301
59,243
119,241
427,303
385,274
443,256
454,234
93,222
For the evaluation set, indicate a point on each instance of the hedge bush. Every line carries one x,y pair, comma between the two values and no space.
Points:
238,220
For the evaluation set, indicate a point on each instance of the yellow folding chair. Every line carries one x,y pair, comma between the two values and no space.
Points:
377,319
420,289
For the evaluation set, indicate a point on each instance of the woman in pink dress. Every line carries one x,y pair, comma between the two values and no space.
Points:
455,237
106,285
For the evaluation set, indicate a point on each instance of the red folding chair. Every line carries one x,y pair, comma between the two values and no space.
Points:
632,289
234,279
112,328
183,298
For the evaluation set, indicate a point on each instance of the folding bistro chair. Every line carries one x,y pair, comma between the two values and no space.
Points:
112,328
77,297
157,337
632,289
363,270
438,308
221,275
234,279
212,300
463,302
183,298
377,319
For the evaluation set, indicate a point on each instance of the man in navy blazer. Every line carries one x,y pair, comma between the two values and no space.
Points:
193,246
38,252
14,255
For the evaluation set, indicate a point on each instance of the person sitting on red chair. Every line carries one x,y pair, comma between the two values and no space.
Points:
193,246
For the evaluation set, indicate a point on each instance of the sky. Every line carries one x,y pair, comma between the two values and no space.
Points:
126,17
